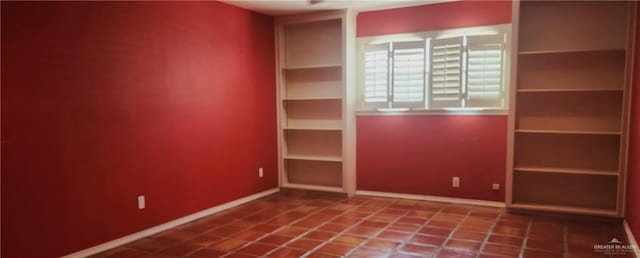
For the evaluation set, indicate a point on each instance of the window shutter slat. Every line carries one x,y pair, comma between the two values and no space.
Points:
446,75
376,73
408,74
484,71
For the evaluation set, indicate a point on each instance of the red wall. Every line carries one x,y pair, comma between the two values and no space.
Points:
418,154
633,170
105,101
433,17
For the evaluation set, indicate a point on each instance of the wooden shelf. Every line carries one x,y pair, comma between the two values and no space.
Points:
567,170
314,172
312,98
567,132
584,151
314,157
566,90
313,44
319,66
322,83
312,101
313,187
567,51
313,128
570,111
570,80
545,26
587,191
563,209
577,71
313,145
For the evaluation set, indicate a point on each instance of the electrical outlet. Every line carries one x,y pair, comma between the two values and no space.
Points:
456,182
260,172
141,203
495,187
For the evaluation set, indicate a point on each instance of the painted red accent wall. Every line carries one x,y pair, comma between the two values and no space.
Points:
433,17
633,169
418,154
105,101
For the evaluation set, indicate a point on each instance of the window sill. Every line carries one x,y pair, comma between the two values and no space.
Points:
439,112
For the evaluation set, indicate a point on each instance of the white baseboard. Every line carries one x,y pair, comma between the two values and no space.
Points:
632,239
432,198
162,227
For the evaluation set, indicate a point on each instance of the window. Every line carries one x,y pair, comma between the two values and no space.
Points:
457,69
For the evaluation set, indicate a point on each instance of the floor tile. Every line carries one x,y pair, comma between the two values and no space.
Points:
313,224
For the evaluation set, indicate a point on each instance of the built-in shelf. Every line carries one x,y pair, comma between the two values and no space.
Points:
570,111
567,170
563,209
567,90
597,152
312,101
567,132
314,157
311,98
570,107
314,187
566,51
320,66
319,128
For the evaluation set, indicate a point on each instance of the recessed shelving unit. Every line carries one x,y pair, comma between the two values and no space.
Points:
569,107
313,103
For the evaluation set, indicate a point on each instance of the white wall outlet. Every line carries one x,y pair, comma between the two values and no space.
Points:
456,182
260,172
141,203
495,187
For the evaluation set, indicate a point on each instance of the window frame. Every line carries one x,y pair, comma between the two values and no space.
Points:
388,107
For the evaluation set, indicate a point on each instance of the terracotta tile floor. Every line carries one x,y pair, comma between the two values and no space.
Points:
296,223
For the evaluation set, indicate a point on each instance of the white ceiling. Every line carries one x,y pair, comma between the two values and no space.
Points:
288,7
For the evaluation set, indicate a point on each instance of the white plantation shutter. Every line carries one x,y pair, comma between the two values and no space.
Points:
446,72
376,73
408,74
484,71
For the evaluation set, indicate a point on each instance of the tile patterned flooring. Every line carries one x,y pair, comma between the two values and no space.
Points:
311,224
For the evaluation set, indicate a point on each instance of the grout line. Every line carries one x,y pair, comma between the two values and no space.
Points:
489,231
301,235
526,237
381,229
425,224
565,243
453,231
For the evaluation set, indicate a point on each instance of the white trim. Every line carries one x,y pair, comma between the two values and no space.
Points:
153,230
632,239
432,198
436,112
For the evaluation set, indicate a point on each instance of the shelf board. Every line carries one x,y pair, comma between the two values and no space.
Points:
566,90
568,51
314,187
321,66
567,132
318,128
314,157
567,170
312,98
563,209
